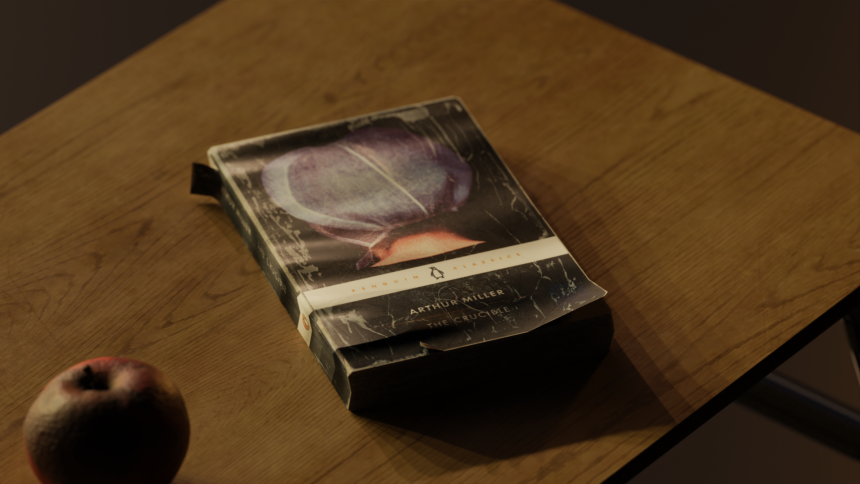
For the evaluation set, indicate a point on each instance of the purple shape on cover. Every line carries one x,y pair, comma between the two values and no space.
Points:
369,182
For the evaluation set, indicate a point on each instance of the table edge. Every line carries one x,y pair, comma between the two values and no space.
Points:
707,411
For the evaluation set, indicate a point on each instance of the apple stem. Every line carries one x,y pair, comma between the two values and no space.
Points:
87,381
90,382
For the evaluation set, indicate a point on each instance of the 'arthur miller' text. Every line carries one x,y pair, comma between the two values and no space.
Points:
454,302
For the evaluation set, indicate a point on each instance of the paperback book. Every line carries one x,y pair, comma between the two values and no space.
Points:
407,255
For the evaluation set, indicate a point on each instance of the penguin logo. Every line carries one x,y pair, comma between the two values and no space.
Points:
305,323
437,273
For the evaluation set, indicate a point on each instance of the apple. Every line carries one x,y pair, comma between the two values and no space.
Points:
107,420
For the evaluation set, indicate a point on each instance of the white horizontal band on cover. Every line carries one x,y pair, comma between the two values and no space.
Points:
426,275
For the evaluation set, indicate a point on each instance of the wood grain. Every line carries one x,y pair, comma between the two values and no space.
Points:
722,221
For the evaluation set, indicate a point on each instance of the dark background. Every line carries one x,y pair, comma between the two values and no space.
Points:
806,52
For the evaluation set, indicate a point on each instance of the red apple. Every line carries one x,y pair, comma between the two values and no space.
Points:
107,420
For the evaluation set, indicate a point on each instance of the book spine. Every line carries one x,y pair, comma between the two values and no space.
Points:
330,362
261,251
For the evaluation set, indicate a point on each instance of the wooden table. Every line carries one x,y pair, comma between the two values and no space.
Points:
724,223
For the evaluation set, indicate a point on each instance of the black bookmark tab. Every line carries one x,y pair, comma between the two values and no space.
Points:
205,180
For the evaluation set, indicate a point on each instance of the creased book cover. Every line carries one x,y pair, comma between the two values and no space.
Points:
403,222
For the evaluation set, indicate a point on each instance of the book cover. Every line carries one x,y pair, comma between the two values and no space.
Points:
395,234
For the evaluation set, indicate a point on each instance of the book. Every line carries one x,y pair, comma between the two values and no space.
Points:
406,253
